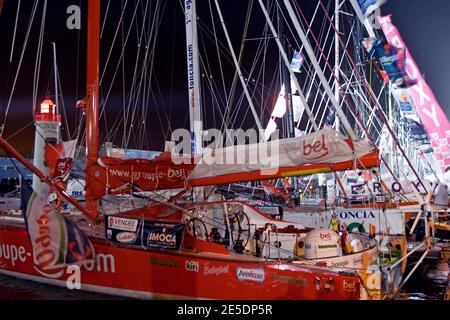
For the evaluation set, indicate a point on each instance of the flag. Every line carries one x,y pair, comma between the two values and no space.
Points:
365,8
56,241
297,62
331,116
393,61
59,159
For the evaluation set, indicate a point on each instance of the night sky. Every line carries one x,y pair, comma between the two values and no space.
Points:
424,25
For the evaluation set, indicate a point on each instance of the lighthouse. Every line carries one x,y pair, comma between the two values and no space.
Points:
48,124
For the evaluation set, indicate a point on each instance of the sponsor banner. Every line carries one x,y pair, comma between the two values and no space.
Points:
297,61
158,174
433,117
257,275
162,235
390,221
392,59
404,100
56,242
124,224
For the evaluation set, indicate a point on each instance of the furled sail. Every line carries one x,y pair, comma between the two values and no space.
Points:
323,151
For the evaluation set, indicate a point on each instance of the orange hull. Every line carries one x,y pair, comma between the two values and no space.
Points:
160,274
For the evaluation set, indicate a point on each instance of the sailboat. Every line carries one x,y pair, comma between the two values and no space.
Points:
160,250
377,208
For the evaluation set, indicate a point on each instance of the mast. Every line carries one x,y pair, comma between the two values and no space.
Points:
193,66
337,59
92,95
286,77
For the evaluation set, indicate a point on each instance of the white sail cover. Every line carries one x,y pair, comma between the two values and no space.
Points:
321,151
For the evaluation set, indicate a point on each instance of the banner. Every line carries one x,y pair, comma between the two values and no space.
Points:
365,8
404,100
56,241
393,61
434,119
59,159
297,62
140,233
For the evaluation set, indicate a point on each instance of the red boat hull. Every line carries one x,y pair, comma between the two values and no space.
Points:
169,275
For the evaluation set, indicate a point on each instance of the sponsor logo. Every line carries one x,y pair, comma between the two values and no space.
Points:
164,262
257,275
122,224
216,270
162,239
356,214
126,237
339,263
349,286
192,266
325,236
289,279
13,253
316,150
103,263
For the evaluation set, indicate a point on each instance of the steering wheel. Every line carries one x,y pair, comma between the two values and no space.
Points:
197,229
240,225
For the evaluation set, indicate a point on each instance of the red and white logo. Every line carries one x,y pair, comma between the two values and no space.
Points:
350,286
122,224
315,150
126,237
325,236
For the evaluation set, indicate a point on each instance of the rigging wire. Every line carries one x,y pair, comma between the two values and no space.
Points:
30,23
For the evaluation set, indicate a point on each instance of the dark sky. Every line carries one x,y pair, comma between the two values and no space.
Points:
424,25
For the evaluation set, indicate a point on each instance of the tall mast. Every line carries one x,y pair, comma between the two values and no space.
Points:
286,77
193,66
92,94
337,59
